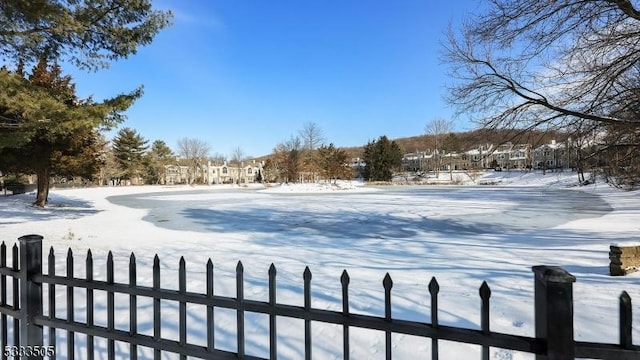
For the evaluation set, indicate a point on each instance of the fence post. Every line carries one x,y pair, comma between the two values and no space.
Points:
554,311
30,292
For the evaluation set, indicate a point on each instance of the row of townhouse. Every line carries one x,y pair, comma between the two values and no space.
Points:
209,173
508,156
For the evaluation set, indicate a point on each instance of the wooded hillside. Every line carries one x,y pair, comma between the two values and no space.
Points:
469,140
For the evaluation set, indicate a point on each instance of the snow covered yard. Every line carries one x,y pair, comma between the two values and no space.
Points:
460,235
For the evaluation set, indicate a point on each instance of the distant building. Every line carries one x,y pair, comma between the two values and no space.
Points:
506,156
554,156
478,157
357,166
214,173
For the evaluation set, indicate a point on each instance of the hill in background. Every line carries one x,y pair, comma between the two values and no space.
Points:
468,140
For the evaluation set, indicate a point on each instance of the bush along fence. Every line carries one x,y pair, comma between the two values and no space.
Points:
553,289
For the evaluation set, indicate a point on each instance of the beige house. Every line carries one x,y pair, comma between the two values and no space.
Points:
244,173
227,174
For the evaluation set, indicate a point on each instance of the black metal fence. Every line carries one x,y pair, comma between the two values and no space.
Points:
553,313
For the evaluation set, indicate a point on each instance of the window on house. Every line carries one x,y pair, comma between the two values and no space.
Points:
249,171
224,170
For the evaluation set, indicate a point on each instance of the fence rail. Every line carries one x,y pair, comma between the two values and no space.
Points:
553,313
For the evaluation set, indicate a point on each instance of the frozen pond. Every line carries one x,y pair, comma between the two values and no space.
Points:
460,235
384,212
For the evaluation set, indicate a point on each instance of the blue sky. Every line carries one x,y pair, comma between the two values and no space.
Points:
249,74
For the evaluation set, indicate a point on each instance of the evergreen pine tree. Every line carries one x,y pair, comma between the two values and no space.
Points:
129,148
381,158
43,125
332,162
159,156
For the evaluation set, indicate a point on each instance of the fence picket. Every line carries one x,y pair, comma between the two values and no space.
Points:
485,294
210,308
434,288
16,296
111,346
387,283
70,307
52,300
306,276
273,335
90,318
240,309
344,280
157,326
3,299
182,288
133,307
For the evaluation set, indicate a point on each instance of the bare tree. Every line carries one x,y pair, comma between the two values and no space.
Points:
218,158
195,152
110,170
549,65
237,157
312,138
437,128
311,135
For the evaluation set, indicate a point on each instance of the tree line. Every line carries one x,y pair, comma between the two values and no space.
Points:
305,157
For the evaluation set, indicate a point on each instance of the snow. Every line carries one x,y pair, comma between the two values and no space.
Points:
461,235
625,243
317,187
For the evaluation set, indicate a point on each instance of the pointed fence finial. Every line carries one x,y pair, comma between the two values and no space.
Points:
485,291
306,275
344,278
387,282
434,287
272,270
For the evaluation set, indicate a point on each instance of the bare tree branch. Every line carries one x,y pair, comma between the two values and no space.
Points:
195,152
565,65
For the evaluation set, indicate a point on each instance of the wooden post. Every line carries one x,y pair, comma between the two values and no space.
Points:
554,311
